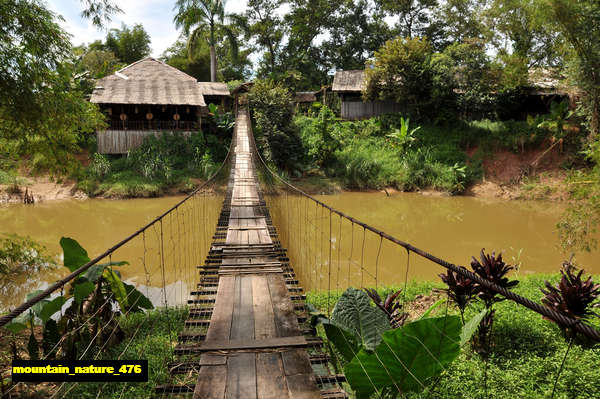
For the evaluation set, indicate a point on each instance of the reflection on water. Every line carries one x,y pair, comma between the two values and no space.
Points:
166,254
452,228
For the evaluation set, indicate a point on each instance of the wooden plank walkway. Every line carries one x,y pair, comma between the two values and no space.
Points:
255,345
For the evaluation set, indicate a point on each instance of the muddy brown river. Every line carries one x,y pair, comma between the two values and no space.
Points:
452,228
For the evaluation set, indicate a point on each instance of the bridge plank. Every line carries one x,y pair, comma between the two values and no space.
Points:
242,325
283,308
303,386
211,382
220,322
241,376
270,379
253,310
264,318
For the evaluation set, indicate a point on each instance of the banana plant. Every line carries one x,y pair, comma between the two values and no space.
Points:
403,137
93,296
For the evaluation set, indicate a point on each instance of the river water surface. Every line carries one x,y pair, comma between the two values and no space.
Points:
452,228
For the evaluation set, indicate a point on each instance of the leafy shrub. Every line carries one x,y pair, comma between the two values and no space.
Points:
100,165
96,295
363,164
22,255
276,134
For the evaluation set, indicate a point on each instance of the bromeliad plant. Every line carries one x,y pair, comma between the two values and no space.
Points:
493,269
573,296
391,306
90,319
462,290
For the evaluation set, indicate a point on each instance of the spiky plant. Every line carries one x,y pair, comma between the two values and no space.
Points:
493,269
391,306
462,290
573,296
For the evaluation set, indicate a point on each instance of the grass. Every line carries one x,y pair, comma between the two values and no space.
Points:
363,156
526,353
148,336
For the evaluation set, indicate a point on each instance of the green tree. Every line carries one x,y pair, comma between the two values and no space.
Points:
262,24
100,63
202,19
463,78
276,134
402,73
197,66
356,30
32,45
462,20
415,17
579,24
128,44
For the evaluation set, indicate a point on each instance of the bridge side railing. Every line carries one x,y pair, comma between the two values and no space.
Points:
321,223
162,258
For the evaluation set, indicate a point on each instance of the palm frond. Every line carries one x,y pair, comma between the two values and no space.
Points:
233,42
194,39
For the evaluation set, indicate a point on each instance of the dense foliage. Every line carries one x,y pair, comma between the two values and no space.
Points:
167,161
275,133
526,350
389,151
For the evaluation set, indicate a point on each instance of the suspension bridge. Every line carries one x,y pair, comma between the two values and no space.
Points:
247,332
254,346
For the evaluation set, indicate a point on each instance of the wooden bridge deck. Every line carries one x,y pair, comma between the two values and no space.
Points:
255,346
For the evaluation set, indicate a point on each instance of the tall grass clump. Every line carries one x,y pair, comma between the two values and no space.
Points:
162,162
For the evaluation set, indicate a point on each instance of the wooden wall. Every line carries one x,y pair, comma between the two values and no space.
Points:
360,110
121,141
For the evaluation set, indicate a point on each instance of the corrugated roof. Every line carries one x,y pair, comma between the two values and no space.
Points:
213,88
349,80
305,97
150,81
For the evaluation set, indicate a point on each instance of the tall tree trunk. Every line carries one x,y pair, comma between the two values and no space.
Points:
213,64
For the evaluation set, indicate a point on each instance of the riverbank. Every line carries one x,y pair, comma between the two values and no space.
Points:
550,184
526,350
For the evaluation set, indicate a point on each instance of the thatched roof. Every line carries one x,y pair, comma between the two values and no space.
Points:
349,81
150,81
305,97
546,81
213,88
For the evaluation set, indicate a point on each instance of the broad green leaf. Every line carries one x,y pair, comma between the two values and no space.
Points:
136,299
432,307
15,327
94,272
33,348
50,339
407,358
471,326
354,313
345,342
117,287
74,254
83,290
51,307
